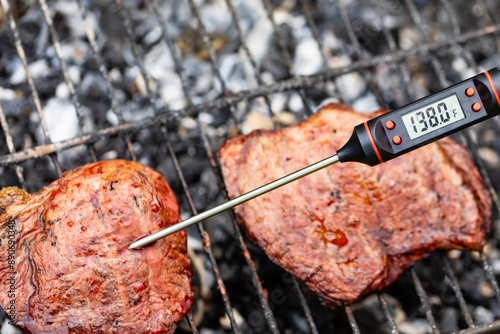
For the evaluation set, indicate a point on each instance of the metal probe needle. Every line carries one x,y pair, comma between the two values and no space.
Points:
236,201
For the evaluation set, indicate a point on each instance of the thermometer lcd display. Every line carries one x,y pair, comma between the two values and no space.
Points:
433,116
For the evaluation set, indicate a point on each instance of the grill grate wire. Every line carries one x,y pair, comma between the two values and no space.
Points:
286,54
253,63
444,82
89,30
229,99
69,83
357,50
255,278
237,97
404,74
472,146
137,52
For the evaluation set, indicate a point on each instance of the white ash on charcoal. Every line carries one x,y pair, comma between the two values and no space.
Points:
62,121
255,120
75,52
490,156
94,95
449,320
226,323
38,69
259,38
7,328
235,74
216,17
33,34
496,266
296,103
483,315
350,85
308,59
366,103
416,326
372,317
169,86
17,73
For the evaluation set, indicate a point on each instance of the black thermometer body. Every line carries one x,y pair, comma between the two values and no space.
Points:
405,129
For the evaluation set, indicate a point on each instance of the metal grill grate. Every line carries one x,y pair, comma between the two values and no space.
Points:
159,127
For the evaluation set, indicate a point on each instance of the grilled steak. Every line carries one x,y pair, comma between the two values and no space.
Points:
351,229
65,265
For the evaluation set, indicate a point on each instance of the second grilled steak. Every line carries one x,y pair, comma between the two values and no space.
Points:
351,229
65,259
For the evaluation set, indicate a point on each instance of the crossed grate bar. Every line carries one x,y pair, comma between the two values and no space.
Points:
363,65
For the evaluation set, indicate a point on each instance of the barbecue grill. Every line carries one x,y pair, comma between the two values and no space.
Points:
165,82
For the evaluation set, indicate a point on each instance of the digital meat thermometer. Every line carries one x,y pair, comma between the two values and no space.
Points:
388,136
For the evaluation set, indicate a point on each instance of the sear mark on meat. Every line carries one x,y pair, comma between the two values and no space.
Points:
72,271
351,229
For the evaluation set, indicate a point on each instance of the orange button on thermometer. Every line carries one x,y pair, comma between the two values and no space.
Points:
469,91
390,125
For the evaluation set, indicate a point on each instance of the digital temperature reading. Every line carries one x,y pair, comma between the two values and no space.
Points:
433,116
